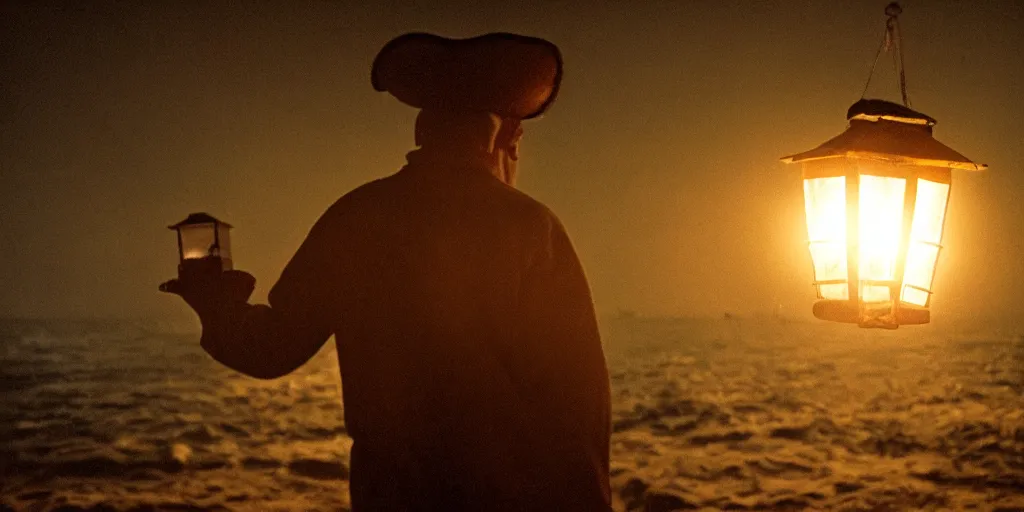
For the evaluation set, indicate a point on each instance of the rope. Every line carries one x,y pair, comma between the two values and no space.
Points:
885,39
892,42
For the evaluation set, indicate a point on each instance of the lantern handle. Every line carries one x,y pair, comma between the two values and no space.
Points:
892,41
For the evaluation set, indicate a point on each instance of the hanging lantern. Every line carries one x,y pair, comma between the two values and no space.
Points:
204,245
876,198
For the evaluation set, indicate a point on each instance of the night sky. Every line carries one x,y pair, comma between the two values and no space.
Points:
660,155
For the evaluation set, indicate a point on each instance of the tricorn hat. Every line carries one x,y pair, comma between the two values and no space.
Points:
506,74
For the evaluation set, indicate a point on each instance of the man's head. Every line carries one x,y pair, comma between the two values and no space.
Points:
473,92
473,134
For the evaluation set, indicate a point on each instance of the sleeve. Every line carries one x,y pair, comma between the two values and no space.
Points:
558,324
566,374
306,293
270,341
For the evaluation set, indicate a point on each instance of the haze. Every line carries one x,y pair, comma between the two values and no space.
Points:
660,155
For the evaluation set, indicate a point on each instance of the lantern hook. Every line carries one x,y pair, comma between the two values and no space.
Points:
892,42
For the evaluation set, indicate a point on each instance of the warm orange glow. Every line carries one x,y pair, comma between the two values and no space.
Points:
880,225
925,239
885,179
825,201
195,253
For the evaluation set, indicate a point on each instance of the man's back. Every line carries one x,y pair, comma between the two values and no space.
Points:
472,369
473,376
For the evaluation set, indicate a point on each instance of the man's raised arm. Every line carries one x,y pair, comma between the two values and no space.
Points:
269,341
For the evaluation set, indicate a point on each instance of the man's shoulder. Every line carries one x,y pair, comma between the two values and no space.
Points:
523,202
525,210
350,207
369,192
511,202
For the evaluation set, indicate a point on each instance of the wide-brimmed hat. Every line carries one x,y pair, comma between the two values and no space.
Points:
506,74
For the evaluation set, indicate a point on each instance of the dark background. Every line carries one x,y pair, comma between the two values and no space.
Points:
660,155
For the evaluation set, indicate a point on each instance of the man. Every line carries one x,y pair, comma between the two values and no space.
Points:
473,374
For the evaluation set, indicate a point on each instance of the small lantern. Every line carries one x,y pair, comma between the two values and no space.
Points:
876,198
204,244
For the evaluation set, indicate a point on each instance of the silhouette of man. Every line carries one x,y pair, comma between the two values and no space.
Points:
474,377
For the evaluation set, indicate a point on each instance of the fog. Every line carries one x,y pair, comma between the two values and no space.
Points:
660,155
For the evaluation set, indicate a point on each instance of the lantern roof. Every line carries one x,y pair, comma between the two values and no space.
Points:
882,130
199,218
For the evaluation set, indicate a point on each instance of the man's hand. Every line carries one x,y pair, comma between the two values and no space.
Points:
210,293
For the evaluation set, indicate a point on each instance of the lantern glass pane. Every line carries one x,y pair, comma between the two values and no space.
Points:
829,260
925,236
825,202
840,291
874,293
921,259
915,296
880,226
197,241
929,211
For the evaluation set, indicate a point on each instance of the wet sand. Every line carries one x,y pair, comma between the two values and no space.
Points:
714,415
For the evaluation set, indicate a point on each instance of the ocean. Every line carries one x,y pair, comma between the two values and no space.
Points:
713,414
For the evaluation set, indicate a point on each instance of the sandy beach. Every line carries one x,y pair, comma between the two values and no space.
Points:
708,414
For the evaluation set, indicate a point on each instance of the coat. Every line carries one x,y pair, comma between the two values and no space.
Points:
473,376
